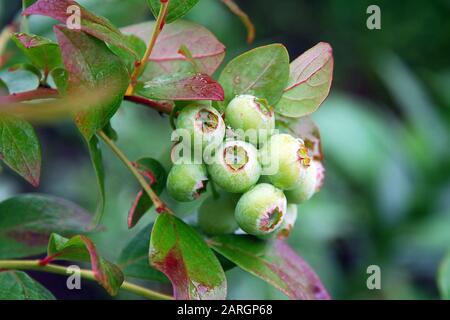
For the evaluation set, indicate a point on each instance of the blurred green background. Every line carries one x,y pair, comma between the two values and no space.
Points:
385,130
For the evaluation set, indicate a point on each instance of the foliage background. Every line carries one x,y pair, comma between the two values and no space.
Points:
385,131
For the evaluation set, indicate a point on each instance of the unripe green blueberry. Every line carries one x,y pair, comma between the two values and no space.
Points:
284,160
216,216
186,182
203,123
308,185
253,118
260,211
289,221
235,167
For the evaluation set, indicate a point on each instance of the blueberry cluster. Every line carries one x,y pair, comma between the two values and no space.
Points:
261,175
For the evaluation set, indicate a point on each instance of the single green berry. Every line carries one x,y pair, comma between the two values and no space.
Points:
216,216
284,160
186,182
203,123
253,119
261,210
289,220
235,167
308,185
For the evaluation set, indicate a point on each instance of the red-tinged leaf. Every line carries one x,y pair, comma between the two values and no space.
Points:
133,259
81,248
274,262
204,47
182,87
20,148
92,24
309,82
180,253
26,222
156,176
92,67
308,131
43,53
141,204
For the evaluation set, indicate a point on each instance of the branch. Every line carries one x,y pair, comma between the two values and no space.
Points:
160,206
160,21
34,265
251,31
163,107
40,93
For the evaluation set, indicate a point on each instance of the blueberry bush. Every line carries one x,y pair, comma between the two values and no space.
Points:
248,187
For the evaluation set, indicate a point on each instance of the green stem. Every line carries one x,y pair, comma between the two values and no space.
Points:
160,206
160,21
33,265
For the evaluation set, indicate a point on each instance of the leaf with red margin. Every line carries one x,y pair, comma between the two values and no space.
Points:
43,53
27,220
206,50
81,248
156,176
274,262
92,67
133,259
309,82
308,131
92,24
182,87
181,254
20,148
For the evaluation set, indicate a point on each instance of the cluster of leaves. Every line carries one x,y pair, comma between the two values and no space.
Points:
95,67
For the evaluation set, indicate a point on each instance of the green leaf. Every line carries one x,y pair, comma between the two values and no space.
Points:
60,79
27,3
26,222
176,10
20,81
96,158
206,50
92,66
309,82
134,258
181,254
262,72
139,46
42,53
80,248
17,285
274,262
91,24
156,176
444,278
20,148
182,87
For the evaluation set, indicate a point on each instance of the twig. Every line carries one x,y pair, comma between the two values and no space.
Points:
160,21
34,265
163,107
160,206
251,31
40,93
